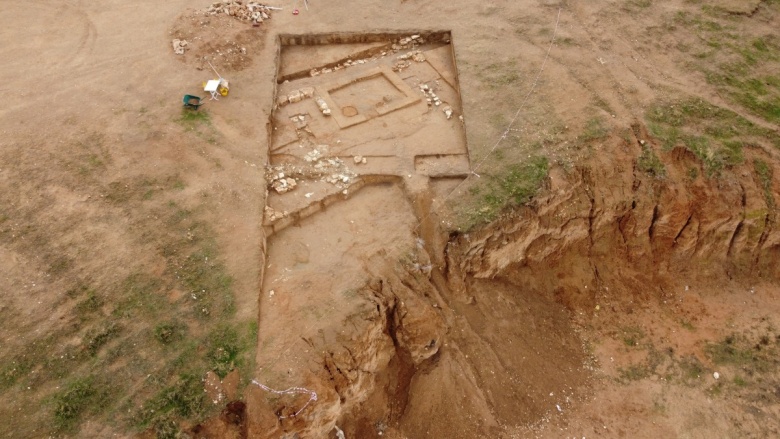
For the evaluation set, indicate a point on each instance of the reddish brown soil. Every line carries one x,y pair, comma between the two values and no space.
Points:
601,309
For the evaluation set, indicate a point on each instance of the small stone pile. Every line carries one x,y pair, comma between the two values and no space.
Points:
282,184
272,215
251,11
433,99
285,177
335,172
405,43
416,55
430,95
178,46
323,106
295,96
408,42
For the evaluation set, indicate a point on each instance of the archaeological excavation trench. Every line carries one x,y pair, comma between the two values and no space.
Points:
399,327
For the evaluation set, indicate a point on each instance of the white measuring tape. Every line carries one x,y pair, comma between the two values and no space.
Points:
291,391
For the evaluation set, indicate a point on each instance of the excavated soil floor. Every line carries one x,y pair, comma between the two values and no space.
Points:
634,295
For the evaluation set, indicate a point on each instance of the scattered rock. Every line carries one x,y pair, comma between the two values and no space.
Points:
299,121
307,92
312,156
323,106
400,65
415,55
295,96
252,11
359,159
283,184
433,99
179,46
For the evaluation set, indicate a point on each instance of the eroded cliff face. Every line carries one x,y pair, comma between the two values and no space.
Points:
606,227
489,334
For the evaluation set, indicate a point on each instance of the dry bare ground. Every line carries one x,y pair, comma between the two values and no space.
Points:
608,269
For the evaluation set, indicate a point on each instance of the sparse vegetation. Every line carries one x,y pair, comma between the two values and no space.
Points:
113,321
649,163
715,135
184,398
594,130
169,332
77,398
632,336
735,351
189,118
764,173
514,186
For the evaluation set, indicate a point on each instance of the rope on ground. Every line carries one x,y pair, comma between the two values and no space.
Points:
291,391
505,133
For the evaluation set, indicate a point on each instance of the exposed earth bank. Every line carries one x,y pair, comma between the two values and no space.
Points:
520,325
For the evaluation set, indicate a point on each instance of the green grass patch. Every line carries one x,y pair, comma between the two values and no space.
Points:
594,130
514,186
764,173
634,372
749,356
99,337
224,347
189,117
170,332
632,336
139,296
715,135
184,398
737,69
691,370
126,327
649,163
646,368
77,398
207,281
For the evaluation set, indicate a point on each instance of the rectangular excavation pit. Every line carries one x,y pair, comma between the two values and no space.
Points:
356,105
375,93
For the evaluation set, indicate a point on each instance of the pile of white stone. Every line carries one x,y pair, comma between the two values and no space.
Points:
251,11
295,96
405,43
284,178
179,46
331,170
411,41
282,183
433,100
272,215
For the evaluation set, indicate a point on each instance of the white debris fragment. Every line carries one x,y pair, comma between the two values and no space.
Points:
295,96
312,156
251,11
307,92
178,46
272,215
323,106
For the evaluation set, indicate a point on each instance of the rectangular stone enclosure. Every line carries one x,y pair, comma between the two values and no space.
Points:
356,108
